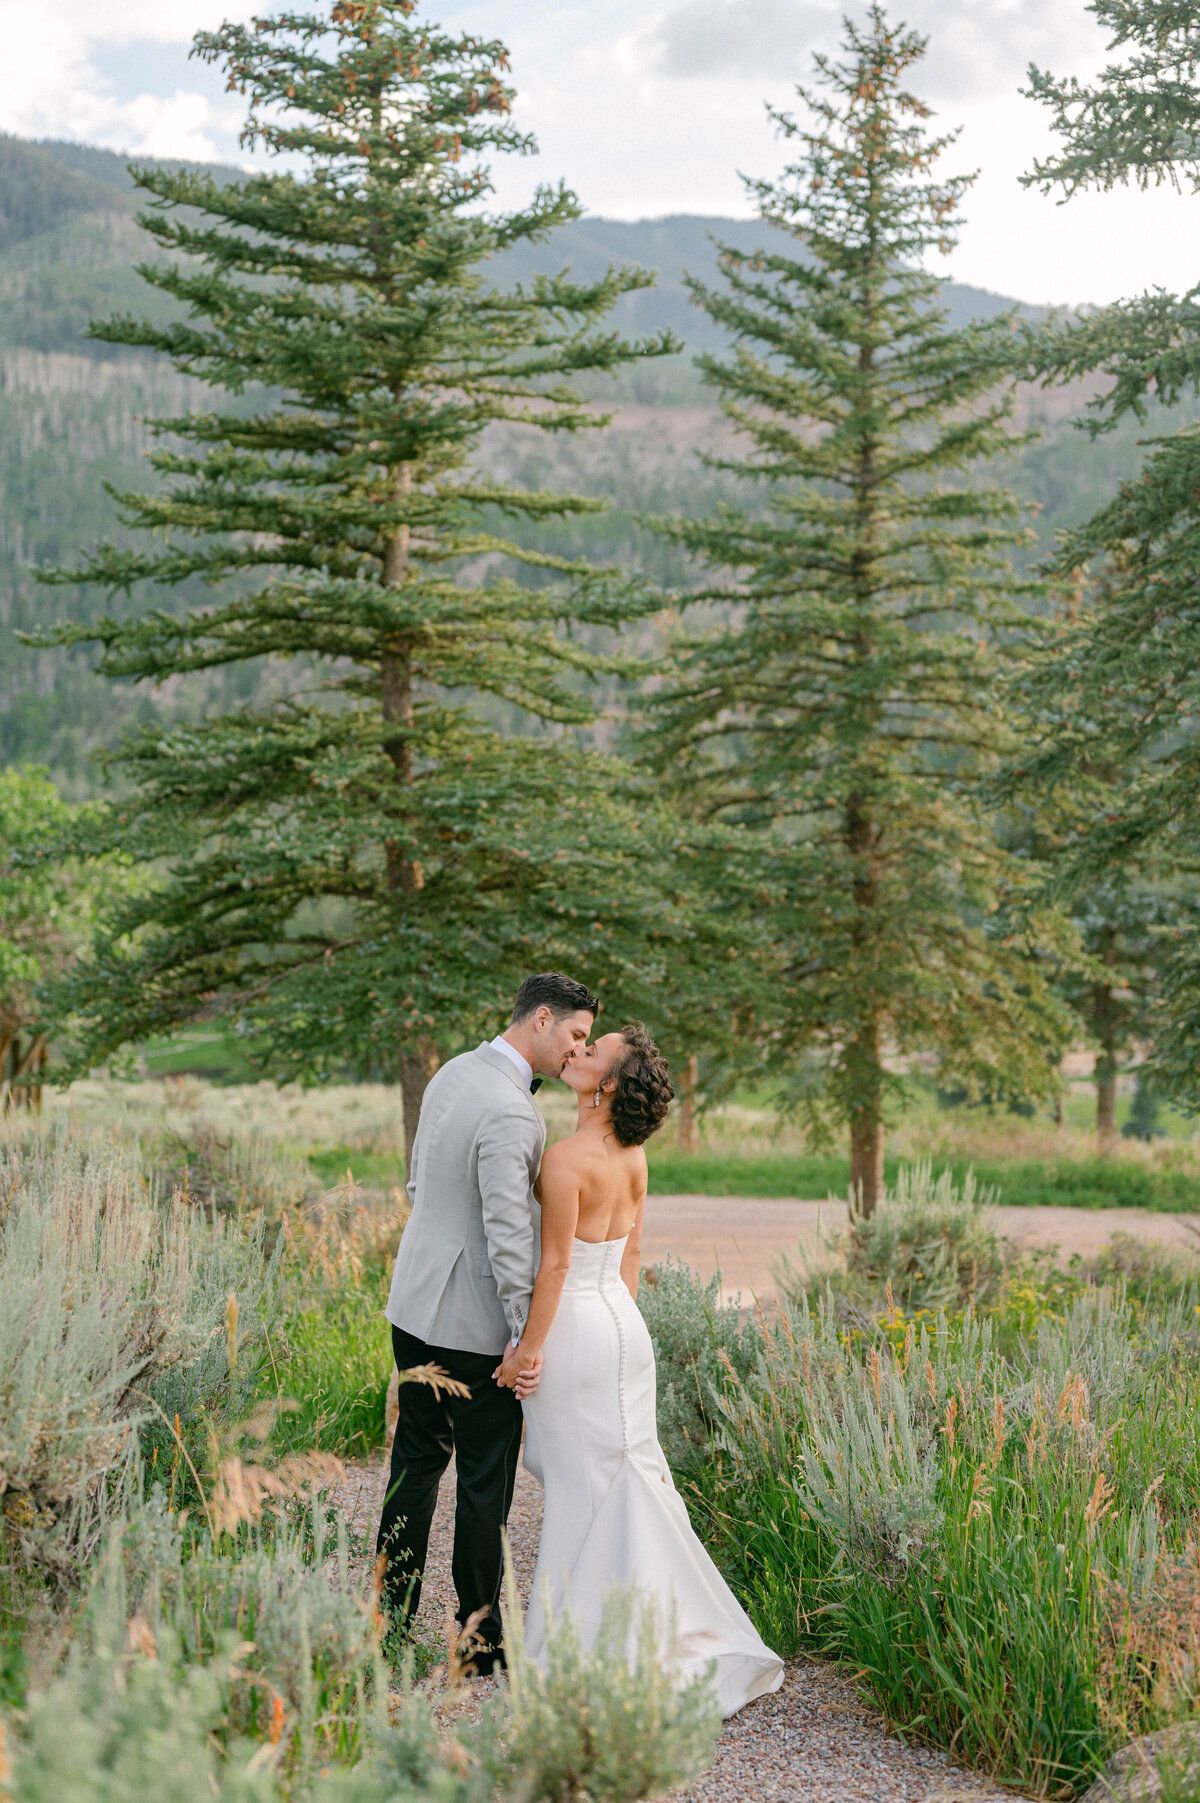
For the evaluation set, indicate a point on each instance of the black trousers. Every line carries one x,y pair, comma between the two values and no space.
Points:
483,1431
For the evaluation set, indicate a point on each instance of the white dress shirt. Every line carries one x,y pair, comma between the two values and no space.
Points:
522,1064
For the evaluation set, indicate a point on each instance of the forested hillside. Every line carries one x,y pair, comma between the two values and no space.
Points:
71,413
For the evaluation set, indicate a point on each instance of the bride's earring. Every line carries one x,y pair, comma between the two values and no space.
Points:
596,1097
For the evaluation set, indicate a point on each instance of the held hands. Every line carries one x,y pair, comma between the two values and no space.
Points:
519,1370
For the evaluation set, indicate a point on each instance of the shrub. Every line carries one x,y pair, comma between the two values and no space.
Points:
176,1662
104,1297
933,1241
611,1723
998,1540
694,1334
139,1727
864,1479
287,1594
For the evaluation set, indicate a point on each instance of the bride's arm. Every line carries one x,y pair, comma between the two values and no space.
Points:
631,1258
558,1188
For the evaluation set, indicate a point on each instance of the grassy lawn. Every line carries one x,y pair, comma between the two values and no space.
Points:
1071,1183
373,1170
210,1052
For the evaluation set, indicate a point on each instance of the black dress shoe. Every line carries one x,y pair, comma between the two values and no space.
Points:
486,1662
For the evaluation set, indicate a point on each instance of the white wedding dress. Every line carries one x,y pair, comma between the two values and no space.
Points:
613,1518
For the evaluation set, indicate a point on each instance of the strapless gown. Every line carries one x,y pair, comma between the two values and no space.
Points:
613,1517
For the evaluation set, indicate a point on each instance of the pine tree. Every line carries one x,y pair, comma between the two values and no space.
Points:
851,697
1121,693
364,863
47,907
1121,921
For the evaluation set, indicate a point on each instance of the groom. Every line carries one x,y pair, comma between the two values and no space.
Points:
460,1295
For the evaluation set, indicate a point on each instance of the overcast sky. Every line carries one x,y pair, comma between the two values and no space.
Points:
649,107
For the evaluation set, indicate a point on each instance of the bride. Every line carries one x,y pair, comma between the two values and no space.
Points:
612,1514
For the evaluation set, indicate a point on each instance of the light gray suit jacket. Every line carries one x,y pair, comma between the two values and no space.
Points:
468,1256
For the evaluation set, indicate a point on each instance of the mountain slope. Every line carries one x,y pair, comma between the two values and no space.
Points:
72,412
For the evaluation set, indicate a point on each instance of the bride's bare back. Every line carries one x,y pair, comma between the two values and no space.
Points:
607,1181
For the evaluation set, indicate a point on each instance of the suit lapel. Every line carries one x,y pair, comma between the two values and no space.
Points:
499,1062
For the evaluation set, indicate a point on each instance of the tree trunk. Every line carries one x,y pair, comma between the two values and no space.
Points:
21,1060
39,1065
405,876
864,1049
417,1065
866,1161
1106,1101
1105,1028
689,1138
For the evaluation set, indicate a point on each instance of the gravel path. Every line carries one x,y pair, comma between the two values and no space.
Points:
814,1741
742,1236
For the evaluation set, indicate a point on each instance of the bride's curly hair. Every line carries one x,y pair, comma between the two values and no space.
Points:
643,1093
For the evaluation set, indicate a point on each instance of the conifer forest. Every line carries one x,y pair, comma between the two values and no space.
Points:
401,594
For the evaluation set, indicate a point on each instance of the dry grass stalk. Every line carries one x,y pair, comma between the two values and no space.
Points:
1149,1665
242,1488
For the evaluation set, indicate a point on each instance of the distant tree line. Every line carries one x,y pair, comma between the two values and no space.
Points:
867,792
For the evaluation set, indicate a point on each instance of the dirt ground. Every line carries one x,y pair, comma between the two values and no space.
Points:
742,1236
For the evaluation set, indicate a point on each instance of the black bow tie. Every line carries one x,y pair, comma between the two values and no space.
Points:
535,1084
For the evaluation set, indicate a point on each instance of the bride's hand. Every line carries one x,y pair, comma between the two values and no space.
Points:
528,1381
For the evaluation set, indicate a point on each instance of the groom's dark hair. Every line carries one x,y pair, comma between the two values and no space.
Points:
550,989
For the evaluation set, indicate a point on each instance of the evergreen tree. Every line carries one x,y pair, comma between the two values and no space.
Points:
365,863
1121,921
850,698
1121,693
47,908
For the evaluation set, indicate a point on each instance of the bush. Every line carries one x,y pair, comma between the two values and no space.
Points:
930,1244
697,1340
999,1541
105,1297
287,1594
931,1241
611,1723
177,1662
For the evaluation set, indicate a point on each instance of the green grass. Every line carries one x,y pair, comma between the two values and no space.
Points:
334,1365
212,1053
374,1170
1005,1636
1022,1183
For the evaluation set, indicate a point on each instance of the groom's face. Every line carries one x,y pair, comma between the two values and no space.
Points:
557,1038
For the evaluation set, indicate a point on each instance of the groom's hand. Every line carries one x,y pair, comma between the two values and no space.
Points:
519,1370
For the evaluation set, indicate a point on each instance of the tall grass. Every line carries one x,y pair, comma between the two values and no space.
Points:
997,1531
257,1677
203,1631
111,1302
331,1356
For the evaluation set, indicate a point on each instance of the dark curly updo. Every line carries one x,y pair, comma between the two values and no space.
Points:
643,1093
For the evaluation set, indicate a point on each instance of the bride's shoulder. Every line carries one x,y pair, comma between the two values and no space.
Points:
562,1154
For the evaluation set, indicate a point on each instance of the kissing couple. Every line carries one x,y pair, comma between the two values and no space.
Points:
518,1275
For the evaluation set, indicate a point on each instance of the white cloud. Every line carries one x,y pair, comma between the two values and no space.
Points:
977,49
648,107
50,85
176,125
